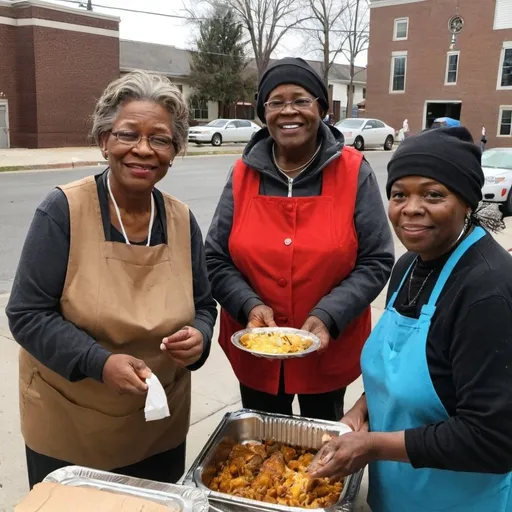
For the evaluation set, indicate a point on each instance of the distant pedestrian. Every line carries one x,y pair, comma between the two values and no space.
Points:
404,131
483,140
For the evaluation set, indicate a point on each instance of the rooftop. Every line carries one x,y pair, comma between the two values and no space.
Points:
176,61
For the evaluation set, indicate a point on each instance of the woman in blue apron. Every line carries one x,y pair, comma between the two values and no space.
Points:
437,368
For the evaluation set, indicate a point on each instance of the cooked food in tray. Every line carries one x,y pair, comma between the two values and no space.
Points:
275,342
274,473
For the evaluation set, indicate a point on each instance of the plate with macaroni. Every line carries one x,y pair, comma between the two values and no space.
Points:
276,342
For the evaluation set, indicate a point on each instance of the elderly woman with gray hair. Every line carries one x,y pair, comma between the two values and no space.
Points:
111,286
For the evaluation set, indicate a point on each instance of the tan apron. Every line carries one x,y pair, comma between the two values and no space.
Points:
127,298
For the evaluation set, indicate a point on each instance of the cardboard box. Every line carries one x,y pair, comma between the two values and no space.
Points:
51,497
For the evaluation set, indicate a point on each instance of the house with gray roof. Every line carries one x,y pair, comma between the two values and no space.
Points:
175,64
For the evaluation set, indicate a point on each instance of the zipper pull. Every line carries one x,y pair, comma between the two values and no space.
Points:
290,186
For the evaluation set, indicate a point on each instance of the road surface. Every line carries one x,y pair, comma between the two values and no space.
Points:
198,181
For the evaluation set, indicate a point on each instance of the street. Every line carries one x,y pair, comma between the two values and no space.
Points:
197,181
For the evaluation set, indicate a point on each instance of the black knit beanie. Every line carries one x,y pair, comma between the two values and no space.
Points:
446,155
290,71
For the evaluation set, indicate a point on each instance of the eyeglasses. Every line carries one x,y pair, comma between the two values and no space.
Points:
157,142
297,104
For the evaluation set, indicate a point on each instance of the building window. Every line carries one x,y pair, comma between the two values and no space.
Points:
199,110
505,122
505,70
502,15
398,72
364,93
452,68
401,29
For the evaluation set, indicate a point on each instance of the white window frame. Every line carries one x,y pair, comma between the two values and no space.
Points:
448,55
395,26
507,45
395,55
500,117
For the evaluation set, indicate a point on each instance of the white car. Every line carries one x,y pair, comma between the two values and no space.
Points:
364,133
497,167
223,130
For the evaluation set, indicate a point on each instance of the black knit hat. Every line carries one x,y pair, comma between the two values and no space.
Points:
291,71
447,155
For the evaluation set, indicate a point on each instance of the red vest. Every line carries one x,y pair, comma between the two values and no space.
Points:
293,251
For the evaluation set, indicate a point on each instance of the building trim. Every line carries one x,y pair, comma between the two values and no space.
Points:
8,21
374,4
424,120
392,71
61,8
395,23
500,115
6,103
38,22
507,45
448,55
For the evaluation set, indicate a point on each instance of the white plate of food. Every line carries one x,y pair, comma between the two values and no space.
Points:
276,342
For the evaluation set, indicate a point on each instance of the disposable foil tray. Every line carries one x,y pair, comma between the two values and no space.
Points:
246,425
176,498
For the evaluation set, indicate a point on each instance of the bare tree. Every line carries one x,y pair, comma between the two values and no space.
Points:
357,23
326,29
266,23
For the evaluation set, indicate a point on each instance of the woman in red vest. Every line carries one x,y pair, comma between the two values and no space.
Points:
299,239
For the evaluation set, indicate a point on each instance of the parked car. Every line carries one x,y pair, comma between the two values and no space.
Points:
223,130
497,167
363,133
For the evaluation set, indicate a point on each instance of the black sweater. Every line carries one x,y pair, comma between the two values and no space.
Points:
34,305
469,356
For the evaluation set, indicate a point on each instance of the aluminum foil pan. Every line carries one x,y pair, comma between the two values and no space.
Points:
235,339
176,497
246,425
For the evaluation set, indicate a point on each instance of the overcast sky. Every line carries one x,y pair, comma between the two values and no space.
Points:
175,31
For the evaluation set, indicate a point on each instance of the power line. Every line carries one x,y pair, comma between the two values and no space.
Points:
190,18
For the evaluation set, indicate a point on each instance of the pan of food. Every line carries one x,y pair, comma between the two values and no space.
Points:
257,461
276,342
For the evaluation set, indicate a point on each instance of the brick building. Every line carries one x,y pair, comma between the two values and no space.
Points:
435,58
54,62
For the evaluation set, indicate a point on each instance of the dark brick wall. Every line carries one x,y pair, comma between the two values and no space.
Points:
52,77
72,70
7,70
427,46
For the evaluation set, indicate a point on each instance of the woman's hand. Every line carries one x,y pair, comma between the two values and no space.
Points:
357,417
261,316
315,326
343,456
184,347
126,374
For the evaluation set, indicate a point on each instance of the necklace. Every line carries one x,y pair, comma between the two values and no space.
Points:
302,167
151,217
413,301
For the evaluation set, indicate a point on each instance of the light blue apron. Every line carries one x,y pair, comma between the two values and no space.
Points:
400,395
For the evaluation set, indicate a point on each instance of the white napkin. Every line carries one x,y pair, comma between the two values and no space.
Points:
157,407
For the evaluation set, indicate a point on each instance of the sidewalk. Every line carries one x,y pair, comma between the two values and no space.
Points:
60,158
214,392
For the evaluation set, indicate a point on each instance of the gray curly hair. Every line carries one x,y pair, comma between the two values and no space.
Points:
140,85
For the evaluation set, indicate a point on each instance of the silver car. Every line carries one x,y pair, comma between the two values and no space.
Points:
223,130
363,133
497,167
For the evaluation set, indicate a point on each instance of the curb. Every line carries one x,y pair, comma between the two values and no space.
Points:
73,164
